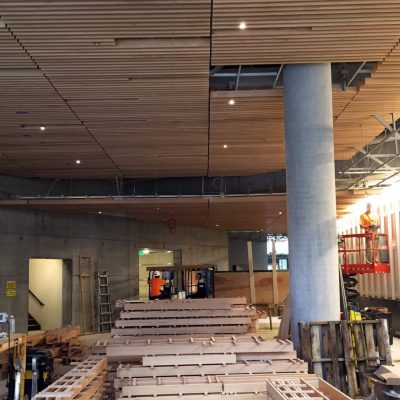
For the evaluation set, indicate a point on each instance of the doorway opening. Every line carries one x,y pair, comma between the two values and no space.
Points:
50,293
154,258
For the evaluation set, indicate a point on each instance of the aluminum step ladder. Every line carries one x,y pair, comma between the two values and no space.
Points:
105,317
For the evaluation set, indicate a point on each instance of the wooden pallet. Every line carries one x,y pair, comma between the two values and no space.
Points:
62,335
343,352
80,380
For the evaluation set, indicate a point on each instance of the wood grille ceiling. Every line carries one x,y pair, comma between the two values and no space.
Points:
123,87
267,213
283,32
132,75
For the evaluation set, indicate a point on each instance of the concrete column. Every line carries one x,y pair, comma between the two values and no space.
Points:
311,202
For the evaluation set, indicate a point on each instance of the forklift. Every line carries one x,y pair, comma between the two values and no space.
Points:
190,281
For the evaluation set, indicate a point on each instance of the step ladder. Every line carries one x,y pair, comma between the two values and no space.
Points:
104,320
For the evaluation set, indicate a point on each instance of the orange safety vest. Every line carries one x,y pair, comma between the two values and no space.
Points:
366,220
155,286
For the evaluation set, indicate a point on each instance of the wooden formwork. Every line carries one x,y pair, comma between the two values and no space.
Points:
343,352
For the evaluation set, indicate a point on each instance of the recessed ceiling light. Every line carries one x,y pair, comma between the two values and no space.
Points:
242,25
158,208
280,213
100,212
217,225
231,102
225,146
42,128
77,161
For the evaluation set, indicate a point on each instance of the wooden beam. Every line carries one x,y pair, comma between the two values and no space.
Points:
251,272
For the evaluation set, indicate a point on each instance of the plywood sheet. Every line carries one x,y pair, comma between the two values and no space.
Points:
237,283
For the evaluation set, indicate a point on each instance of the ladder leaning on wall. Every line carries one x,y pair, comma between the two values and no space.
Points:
104,311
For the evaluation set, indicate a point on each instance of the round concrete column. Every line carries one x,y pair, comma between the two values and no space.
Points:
311,200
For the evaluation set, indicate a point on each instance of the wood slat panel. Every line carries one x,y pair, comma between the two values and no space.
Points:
253,129
282,32
135,75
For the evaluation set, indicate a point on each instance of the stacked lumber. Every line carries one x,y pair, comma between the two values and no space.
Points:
244,347
389,374
185,317
84,382
64,344
203,387
386,380
36,338
62,335
174,366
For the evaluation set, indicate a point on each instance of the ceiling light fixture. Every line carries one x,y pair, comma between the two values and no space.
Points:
225,146
231,102
42,128
217,225
146,251
280,213
242,26
77,161
100,212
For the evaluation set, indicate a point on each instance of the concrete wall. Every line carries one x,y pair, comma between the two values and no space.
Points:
111,242
46,282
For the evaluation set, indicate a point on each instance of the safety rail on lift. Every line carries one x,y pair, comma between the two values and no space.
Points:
364,253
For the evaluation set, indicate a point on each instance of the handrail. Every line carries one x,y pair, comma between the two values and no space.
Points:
36,298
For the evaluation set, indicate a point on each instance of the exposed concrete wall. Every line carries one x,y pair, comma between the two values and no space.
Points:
111,242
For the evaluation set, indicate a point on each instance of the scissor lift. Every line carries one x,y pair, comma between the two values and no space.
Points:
361,253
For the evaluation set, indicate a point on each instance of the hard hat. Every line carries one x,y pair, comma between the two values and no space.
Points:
157,274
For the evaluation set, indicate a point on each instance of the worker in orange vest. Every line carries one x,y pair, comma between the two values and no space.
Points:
370,223
156,284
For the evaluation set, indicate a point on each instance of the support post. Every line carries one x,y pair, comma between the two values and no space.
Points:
251,272
311,200
275,293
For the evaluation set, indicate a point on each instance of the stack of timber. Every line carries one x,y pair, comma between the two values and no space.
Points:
344,353
186,317
84,382
195,367
386,380
64,344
